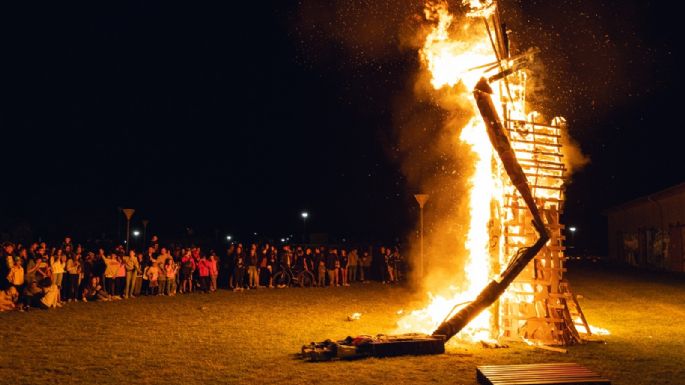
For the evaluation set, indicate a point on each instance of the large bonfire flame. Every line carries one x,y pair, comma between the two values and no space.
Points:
457,64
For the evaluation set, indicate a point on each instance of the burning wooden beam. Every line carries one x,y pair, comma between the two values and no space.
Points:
496,287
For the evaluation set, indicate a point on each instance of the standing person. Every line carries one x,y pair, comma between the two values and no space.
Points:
273,264
239,269
228,264
170,270
252,269
398,264
57,264
111,270
74,275
321,272
389,265
343,268
203,270
132,266
16,276
264,266
138,286
364,268
332,266
382,265
6,264
153,279
161,263
352,262
187,269
316,261
213,271
121,275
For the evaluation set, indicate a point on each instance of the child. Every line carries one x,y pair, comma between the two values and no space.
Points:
16,275
170,269
322,273
203,266
8,298
94,291
213,271
153,277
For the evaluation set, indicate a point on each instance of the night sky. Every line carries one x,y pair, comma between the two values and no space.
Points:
234,117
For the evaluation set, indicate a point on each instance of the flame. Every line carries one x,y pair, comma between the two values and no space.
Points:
451,63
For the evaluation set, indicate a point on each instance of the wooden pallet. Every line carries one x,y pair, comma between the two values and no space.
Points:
547,374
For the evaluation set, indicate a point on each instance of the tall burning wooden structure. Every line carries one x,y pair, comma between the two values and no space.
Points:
538,304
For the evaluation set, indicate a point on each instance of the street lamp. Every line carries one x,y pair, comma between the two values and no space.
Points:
572,229
421,200
304,215
136,233
128,213
228,238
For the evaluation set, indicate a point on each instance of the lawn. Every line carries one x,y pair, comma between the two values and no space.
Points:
251,337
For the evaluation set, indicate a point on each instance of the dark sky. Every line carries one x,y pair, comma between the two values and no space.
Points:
235,116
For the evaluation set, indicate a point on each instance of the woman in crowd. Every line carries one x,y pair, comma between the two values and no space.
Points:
131,266
73,275
57,265
111,270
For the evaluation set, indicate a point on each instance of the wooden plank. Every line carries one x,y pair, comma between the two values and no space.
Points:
538,374
538,152
531,132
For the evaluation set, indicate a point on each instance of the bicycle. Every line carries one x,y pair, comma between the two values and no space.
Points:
287,276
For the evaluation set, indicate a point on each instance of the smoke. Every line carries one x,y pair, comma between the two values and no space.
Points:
574,159
436,163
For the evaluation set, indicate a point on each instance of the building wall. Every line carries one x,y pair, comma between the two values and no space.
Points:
641,233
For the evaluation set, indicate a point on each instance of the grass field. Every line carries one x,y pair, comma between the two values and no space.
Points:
250,337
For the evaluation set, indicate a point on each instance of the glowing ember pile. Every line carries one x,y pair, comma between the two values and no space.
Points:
456,64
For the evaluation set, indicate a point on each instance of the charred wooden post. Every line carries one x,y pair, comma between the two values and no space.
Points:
496,287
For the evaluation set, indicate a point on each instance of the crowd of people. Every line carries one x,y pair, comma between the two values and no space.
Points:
45,277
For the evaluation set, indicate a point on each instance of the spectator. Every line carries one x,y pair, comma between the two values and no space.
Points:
111,270
252,271
203,269
187,269
73,273
170,270
239,269
343,268
332,266
8,298
352,261
153,279
213,271
131,266
16,275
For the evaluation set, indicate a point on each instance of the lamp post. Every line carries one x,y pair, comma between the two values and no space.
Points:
128,213
421,200
572,229
304,215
